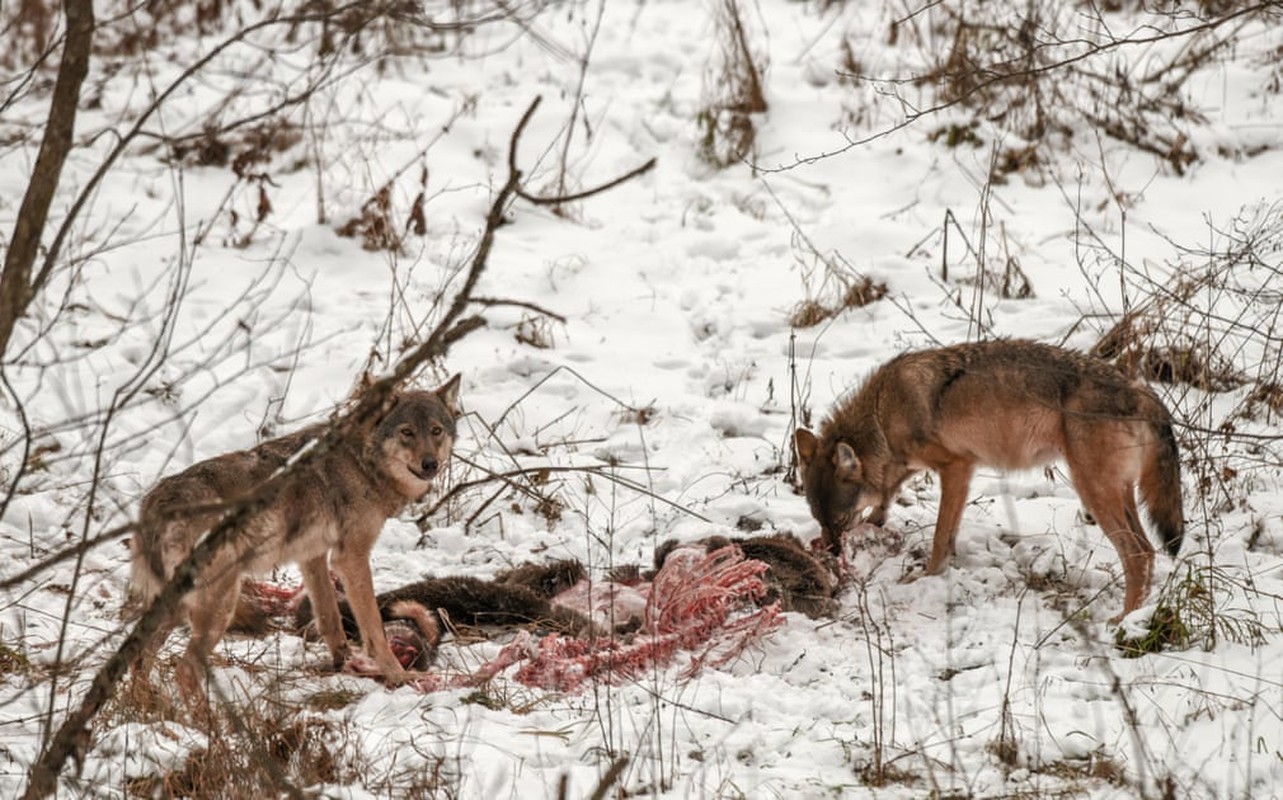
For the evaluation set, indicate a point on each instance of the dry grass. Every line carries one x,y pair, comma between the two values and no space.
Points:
857,294
14,661
1195,609
734,93
266,742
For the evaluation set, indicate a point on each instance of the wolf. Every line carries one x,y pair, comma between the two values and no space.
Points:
1009,404
328,516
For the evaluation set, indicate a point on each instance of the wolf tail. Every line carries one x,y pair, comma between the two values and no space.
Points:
421,616
1160,478
144,580
147,564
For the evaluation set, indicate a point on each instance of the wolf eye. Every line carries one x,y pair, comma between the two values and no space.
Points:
437,430
406,431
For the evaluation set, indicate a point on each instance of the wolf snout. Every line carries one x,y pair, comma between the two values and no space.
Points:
429,466
426,469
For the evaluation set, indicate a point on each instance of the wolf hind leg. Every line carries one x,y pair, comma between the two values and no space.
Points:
1111,500
210,608
142,690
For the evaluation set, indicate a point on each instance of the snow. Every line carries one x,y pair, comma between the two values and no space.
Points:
671,383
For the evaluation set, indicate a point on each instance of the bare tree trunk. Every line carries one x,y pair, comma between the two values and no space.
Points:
16,288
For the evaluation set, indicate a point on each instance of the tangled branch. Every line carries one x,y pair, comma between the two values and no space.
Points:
71,738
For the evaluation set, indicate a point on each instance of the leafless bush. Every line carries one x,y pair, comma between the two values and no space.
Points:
1035,75
377,227
385,28
271,739
733,92
1213,334
856,294
28,28
1029,76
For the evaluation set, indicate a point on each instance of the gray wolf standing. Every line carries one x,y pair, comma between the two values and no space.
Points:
328,516
1009,404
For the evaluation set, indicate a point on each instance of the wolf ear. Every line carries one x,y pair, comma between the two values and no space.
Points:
806,445
448,393
846,462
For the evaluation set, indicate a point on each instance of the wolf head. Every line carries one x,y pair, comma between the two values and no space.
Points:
413,441
839,487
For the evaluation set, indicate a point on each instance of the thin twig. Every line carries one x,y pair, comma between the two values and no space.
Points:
496,301
75,551
549,469
570,198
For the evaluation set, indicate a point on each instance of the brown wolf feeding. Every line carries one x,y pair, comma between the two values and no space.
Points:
329,515
1009,404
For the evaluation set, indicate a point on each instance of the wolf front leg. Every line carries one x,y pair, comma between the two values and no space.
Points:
955,480
325,607
354,568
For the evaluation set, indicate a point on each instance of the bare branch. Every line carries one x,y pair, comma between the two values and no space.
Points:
570,198
538,309
75,551
604,472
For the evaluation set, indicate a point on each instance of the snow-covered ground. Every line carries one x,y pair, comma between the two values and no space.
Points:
672,375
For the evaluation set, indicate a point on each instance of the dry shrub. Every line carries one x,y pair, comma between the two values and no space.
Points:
248,153
13,661
734,93
643,415
1099,767
1017,74
1212,335
1045,72
271,745
809,313
28,28
1265,399
1178,360
374,226
377,225
1194,610
536,331
1214,327
1007,281
857,294
241,149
